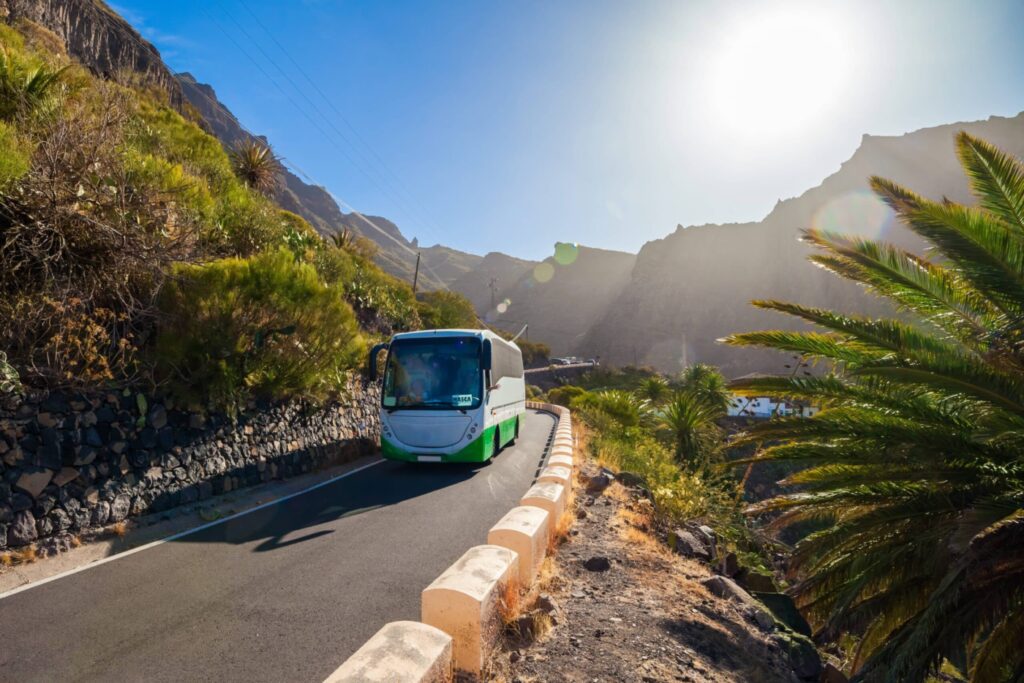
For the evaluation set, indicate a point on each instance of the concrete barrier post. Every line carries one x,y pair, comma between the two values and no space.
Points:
525,530
463,602
401,652
547,496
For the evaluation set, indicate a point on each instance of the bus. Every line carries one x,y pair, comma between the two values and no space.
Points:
449,395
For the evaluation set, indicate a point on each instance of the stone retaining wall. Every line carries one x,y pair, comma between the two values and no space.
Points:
71,462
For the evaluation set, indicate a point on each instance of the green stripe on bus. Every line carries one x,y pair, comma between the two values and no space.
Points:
479,449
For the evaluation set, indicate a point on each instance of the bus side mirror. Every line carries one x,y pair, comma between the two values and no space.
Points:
485,355
374,352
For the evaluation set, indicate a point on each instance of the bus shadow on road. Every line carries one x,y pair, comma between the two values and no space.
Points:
275,526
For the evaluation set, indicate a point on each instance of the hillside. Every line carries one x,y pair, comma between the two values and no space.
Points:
693,286
563,304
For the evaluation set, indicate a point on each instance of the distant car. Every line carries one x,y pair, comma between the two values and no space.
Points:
592,361
561,361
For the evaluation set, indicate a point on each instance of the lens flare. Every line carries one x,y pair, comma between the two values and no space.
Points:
566,253
858,212
503,307
543,272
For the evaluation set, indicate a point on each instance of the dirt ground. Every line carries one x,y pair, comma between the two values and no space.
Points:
646,618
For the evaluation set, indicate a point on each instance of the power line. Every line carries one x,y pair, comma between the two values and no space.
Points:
386,170
370,171
322,132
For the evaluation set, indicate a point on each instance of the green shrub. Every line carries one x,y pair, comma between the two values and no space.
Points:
564,395
262,327
446,310
613,409
25,84
15,155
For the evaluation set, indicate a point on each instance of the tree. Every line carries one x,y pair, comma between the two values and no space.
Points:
915,463
708,383
689,421
654,389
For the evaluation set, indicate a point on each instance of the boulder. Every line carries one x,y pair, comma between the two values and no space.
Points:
157,417
34,481
598,483
631,479
753,580
784,609
724,587
119,508
65,476
802,655
23,531
597,564
688,545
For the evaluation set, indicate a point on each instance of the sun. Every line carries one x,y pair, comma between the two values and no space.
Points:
779,70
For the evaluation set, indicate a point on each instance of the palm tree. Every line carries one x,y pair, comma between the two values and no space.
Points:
653,389
689,422
914,469
257,166
708,383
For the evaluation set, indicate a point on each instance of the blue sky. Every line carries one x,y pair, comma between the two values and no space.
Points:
506,126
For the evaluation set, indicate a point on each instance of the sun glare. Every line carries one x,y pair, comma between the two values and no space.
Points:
776,71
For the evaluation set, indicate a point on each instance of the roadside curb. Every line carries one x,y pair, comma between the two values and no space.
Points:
463,604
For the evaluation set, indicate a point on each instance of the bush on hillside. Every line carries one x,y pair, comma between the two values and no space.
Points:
262,327
445,309
86,240
564,395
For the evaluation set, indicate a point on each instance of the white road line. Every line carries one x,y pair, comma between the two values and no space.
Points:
153,544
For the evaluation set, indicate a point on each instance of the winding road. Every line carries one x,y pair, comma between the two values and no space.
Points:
284,593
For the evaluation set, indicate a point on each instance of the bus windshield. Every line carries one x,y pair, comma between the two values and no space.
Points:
434,373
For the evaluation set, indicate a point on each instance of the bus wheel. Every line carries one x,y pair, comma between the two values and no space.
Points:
515,434
497,442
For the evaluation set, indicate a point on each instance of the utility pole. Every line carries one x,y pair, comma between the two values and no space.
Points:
416,275
494,291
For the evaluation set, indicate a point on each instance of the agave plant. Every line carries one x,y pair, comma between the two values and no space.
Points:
23,88
914,469
257,165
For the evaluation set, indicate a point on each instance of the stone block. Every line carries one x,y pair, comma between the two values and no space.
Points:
523,529
547,496
401,652
464,603
557,474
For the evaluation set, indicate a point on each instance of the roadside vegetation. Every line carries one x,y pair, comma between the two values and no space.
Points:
667,434
135,251
912,473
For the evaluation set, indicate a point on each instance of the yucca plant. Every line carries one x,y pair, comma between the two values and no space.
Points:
914,469
707,382
257,166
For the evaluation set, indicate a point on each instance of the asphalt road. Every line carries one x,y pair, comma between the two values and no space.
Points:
285,593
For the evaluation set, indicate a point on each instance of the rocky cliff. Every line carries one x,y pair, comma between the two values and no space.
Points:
693,286
97,37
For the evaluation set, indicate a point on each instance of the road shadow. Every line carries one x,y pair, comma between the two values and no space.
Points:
375,487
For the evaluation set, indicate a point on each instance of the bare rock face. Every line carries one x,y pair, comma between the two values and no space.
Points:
98,38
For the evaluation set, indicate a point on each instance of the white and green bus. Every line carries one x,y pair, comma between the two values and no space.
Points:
449,395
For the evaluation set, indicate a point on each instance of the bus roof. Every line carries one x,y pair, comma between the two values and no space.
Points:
420,334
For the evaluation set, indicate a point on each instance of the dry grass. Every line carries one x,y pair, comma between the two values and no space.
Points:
119,529
75,541
25,555
510,602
